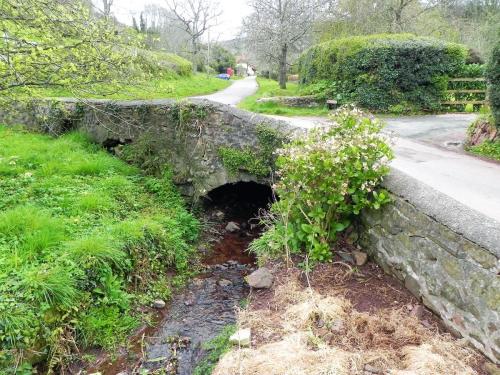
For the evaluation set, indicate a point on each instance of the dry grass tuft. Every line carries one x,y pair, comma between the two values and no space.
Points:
302,332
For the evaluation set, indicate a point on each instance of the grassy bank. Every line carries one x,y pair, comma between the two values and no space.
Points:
170,86
84,240
489,149
484,127
269,88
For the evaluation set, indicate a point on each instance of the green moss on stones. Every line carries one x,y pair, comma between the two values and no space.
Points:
258,162
236,160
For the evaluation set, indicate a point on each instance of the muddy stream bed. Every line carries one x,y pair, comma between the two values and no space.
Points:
209,302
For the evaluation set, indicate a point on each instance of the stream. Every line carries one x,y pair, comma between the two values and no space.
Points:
210,300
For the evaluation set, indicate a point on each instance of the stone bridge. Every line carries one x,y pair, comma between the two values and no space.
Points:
205,144
445,253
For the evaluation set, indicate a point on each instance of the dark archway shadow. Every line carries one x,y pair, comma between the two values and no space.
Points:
239,201
234,209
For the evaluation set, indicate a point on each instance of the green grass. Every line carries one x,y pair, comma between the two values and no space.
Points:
489,149
216,348
170,86
270,88
84,239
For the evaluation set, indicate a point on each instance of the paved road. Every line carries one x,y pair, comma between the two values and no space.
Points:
235,93
428,148
447,130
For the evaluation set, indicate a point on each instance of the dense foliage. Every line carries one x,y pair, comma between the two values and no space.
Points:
83,238
493,75
50,47
54,43
325,179
221,59
260,160
380,71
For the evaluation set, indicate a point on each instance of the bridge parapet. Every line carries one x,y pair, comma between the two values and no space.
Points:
206,144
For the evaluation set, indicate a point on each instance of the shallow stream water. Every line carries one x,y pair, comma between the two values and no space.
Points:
210,301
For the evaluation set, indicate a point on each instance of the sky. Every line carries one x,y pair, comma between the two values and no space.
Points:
233,11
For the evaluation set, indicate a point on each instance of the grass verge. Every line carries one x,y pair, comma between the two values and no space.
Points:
489,149
169,86
269,88
84,240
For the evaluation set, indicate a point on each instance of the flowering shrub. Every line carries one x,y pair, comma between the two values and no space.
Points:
325,179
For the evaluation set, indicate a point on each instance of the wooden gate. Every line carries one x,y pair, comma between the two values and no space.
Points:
464,91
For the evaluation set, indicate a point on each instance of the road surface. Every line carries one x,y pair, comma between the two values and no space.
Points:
239,90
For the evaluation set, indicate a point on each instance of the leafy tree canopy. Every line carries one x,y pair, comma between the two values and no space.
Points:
59,43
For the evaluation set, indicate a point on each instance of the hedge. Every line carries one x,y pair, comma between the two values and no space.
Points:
384,70
493,76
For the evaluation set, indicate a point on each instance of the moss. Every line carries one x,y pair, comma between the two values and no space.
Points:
258,162
236,160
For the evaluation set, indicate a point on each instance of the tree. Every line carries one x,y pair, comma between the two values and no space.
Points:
472,22
221,59
493,75
57,43
106,7
195,17
277,28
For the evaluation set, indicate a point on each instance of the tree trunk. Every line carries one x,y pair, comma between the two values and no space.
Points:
195,54
282,67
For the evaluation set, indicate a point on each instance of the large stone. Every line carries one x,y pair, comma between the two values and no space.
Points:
260,279
241,337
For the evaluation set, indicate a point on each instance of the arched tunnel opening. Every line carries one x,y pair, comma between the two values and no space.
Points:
240,200
235,208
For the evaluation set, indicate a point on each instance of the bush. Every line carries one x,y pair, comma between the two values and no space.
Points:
379,71
325,179
493,76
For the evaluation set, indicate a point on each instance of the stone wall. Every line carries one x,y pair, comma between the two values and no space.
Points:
445,253
186,135
308,101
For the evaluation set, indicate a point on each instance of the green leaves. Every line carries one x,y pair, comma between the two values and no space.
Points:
49,43
326,178
380,71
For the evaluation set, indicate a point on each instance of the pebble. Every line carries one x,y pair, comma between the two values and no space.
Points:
359,257
417,311
159,304
426,324
338,325
260,279
232,227
224,282
241,337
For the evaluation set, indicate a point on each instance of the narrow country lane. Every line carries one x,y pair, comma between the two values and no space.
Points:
239,90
